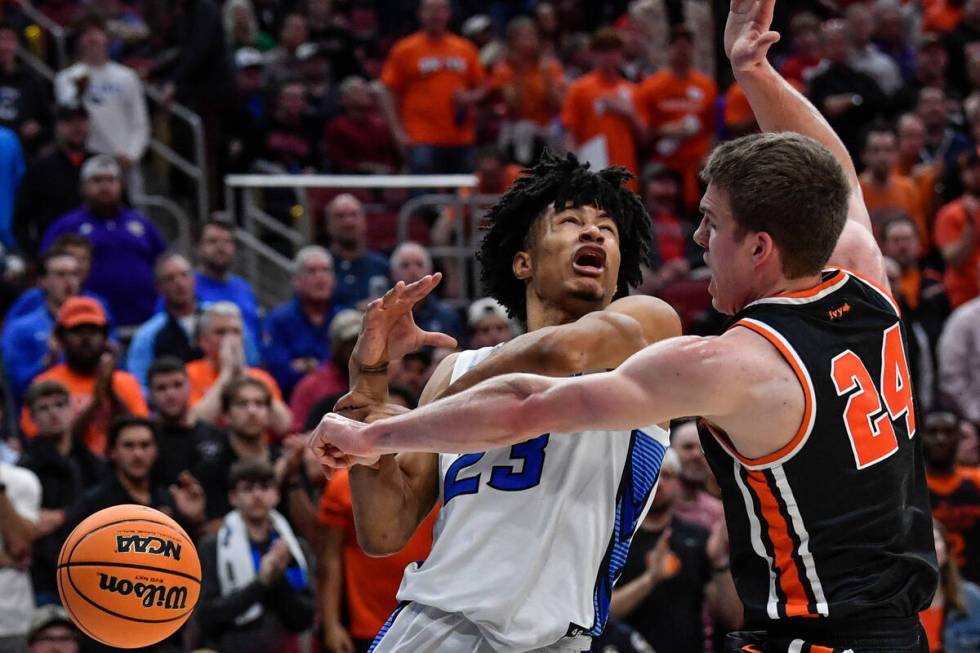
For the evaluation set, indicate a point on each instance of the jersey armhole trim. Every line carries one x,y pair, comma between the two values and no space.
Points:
876,287
809,403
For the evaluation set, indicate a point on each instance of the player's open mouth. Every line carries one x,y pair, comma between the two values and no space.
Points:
589,261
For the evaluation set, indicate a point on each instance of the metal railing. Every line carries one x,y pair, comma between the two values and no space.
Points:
271,269
58,34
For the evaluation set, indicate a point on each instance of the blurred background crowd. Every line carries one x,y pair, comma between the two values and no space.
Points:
170,334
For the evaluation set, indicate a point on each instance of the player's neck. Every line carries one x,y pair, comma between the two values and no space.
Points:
541,316
782,286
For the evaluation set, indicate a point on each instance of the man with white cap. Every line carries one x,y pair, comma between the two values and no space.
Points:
125,243
52,631
489,324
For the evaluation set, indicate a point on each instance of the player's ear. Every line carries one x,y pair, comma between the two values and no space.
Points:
522,265
763,247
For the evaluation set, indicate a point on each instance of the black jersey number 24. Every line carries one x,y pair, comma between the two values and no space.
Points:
873,408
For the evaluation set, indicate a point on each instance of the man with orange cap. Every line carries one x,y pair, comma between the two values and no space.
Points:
99,392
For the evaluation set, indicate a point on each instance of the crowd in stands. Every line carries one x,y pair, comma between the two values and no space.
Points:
137,373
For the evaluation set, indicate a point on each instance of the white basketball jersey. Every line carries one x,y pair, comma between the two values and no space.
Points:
531,537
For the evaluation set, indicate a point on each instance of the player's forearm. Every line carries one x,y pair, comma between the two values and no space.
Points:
779,107
723,602
385,507
370,383
502,411
591,344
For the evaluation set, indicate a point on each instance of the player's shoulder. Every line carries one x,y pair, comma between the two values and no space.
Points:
441,378
657,318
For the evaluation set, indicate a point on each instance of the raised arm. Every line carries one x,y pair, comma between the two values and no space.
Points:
598,341
675,378
779,107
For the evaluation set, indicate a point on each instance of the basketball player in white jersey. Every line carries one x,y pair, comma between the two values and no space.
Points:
808,416
530,536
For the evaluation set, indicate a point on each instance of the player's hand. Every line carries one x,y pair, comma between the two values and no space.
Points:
747,34
389,331
189,497
340,443
337,640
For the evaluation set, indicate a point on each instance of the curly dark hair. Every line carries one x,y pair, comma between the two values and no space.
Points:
559,182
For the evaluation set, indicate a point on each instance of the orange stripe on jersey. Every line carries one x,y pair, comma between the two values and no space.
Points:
797,602
871,282
808,403
820,649
810,292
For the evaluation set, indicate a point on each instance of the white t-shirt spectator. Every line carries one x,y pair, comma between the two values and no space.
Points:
17,596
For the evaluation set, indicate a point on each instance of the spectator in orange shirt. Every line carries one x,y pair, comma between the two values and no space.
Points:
367,585
99,392
531,86
957,236
678,105
600,110
433,80
884,188
220,339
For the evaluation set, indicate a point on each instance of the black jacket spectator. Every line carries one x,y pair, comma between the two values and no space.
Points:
867,102
63,479
48,191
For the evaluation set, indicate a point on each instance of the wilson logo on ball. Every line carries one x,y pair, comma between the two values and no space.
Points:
152,545
172,598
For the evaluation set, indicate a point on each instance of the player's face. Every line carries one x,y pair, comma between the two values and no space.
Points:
727,253
169,394
135,452
248,414
573,261
52,414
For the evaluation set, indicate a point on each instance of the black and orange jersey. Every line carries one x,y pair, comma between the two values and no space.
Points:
836,523
955,502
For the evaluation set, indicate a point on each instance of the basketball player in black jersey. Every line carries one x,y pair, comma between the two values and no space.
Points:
807,416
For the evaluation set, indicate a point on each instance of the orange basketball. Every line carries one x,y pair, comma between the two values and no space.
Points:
129,576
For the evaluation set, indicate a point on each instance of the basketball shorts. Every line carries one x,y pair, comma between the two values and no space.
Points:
899,636
413,628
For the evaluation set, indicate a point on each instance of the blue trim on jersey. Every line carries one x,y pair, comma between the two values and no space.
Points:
639,478
387,626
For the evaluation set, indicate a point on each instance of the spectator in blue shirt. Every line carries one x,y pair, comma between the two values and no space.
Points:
361,273
12,168
215,281
33,298
125,243
409,263
171,331
28,348
297,338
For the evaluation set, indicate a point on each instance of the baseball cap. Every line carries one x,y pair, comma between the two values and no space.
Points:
77,311
68,110
248,57
346,325
102,164
44,616
481,308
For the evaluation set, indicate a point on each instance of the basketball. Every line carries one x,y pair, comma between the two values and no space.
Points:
129,576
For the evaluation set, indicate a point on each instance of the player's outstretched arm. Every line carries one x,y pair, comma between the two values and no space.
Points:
780,107
675,378
393,497
598,341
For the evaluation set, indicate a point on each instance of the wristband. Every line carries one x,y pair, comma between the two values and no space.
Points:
374,369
